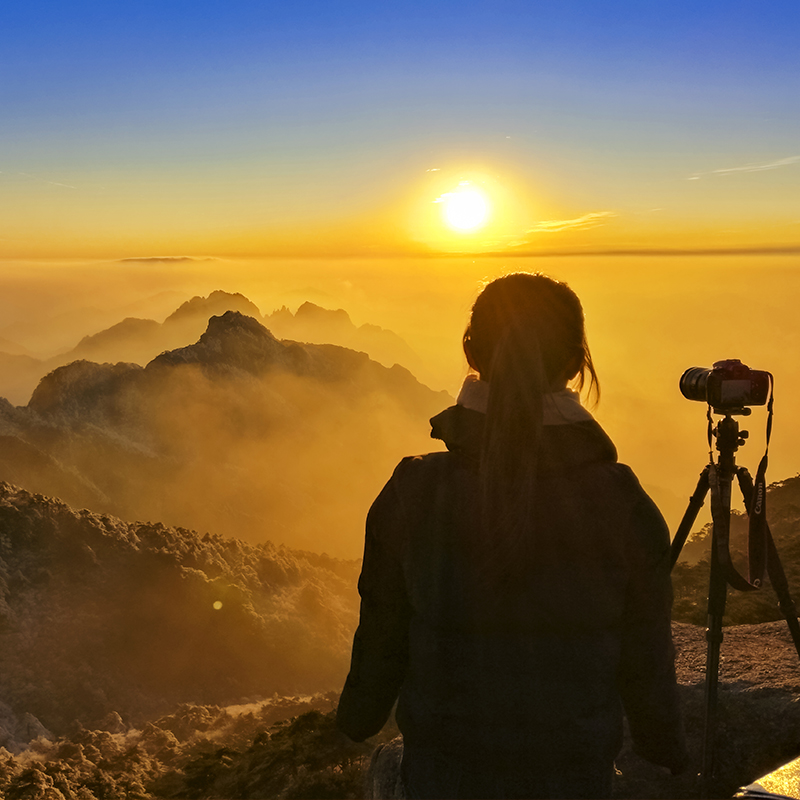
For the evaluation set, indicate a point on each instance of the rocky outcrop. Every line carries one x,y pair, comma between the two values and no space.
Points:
233,341
758,721
81,389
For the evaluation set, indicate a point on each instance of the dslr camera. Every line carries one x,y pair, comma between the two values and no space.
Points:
727,385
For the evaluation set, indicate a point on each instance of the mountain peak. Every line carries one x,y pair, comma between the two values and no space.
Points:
231,340
80,385
235,323
218,302
311,311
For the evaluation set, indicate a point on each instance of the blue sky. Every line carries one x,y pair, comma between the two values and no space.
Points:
311,111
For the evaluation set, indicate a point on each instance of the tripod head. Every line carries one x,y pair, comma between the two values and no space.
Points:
728,438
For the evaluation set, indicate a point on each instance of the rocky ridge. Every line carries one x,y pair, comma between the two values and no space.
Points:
139,341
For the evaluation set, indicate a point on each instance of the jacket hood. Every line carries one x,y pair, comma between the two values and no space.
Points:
563,446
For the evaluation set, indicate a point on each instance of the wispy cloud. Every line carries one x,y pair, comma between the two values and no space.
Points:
539,252
590,220
781,162
44,180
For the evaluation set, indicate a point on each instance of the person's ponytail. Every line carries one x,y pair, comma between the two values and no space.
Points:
525,338
510,450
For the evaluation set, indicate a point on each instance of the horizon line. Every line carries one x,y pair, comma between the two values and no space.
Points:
752,250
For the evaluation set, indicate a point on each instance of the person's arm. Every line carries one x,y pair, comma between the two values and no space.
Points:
647,681
380,645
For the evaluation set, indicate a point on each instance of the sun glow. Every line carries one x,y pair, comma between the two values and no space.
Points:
466,209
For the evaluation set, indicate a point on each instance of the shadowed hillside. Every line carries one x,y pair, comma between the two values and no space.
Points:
100,616
239,433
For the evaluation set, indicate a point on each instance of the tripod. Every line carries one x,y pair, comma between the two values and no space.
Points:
718,478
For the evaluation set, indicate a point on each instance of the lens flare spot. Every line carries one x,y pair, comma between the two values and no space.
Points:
217,605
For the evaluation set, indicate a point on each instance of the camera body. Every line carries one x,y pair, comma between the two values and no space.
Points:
728,384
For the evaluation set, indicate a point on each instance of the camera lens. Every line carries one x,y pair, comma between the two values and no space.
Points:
693,383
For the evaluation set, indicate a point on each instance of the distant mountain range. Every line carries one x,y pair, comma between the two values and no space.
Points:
41,332
139,340
239,433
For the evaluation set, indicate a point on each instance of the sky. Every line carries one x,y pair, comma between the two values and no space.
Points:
134,129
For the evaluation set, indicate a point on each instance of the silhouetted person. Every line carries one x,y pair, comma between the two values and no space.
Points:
515,589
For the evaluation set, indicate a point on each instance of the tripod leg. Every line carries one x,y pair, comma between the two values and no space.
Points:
717,595
689,516
719,481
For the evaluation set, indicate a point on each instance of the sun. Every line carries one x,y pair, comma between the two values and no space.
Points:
466,209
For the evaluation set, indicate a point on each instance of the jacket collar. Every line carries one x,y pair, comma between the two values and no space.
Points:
561,407
564,445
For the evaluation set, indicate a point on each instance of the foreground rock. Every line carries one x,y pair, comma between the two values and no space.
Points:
759,712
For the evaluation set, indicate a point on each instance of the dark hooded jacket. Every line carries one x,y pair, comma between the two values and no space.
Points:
542,670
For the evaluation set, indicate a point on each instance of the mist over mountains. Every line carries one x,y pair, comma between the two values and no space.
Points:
238,433
45,328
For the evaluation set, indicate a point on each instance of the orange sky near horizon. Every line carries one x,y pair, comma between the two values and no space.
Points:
753,209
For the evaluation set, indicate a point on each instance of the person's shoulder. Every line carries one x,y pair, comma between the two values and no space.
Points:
629,482
608,474
415,477
625,481
422,467
410,488
625,476
616,485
